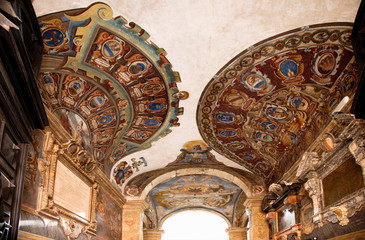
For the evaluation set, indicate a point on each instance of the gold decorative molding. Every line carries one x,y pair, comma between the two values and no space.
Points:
60,147
72,223
106,185
77,156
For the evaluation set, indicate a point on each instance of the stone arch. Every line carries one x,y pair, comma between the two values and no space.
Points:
245,186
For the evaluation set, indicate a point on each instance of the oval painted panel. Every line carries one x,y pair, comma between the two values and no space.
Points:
289,68
111,48
106,119
53,37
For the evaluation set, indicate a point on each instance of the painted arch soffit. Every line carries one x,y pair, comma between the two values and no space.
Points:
112,89
194,191
195,158
265,107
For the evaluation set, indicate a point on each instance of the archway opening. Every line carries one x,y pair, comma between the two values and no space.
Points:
195,225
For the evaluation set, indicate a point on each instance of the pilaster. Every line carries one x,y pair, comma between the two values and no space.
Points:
152,234
132,220
259,228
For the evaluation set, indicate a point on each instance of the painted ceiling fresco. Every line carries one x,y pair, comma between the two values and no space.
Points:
113,90
194,191
195,152
266,106
195,158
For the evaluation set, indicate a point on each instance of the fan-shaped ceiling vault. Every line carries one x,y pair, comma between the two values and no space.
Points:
267,105
113,90
115,93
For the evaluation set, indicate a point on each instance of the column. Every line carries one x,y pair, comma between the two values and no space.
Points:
152,234
237,233
259,227
132,220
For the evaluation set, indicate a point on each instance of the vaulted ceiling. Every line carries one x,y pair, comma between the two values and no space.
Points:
113,91
269,103
253,106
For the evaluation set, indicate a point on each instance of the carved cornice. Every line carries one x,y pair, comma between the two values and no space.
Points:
253,202
107,186
357,148
350,142
54,126
139,205
309,162
342,127
354,129
152,234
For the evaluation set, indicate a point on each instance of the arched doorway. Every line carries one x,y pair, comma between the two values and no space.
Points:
195,225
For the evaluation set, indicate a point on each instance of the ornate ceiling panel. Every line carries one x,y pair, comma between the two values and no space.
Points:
112,89
266,106
194,191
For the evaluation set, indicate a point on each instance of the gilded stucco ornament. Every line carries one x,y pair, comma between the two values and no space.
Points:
72,156
71,228
341,213
309,162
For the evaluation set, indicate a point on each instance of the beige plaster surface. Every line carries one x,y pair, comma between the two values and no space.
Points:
71,192
132,220
259,228
200,37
